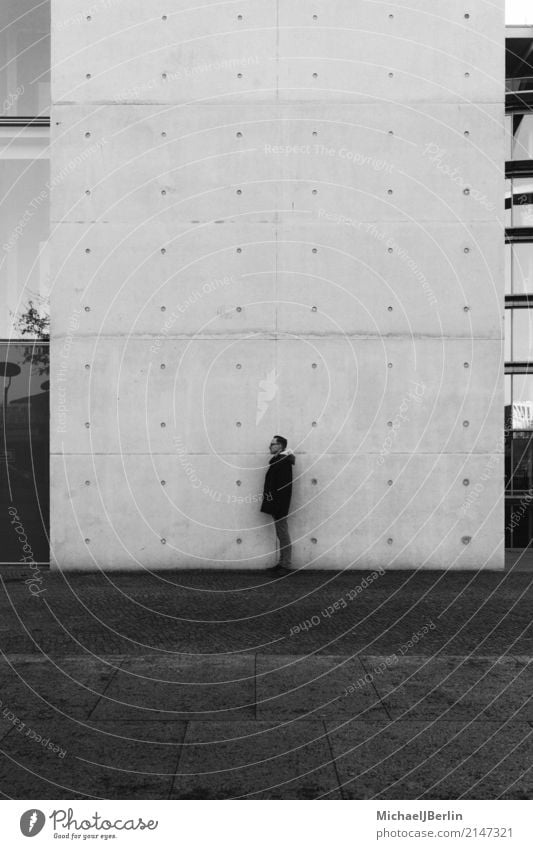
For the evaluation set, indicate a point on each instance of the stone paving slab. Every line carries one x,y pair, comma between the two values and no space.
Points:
418,687
256,760
106,760
37,686
179,687
289,686
433,760
479,612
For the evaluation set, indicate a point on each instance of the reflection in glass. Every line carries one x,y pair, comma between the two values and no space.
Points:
507,219
519,211
521,338
508,137
522,138
508,269
25,51
24,455
507,336
522,401
24,230
522,269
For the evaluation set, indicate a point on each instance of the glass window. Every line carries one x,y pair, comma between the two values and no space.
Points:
508,222
522,137
508,137
518,12
508,265
522,268
519,211
521,347
24,451
507,340
24,230
518,460
25,52
522,400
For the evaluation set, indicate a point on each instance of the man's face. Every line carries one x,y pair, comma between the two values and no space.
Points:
275,447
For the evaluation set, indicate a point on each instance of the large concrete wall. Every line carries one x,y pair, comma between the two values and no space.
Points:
277,217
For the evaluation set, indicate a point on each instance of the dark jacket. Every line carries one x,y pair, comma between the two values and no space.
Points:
278,486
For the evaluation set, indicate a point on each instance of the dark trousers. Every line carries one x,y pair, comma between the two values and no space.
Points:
282,533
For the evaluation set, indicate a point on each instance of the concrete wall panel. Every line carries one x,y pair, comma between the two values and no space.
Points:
276,169
428,273
135,53
229,396
346,512
273,218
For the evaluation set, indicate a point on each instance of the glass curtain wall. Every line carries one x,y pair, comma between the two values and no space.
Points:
24,234
518,310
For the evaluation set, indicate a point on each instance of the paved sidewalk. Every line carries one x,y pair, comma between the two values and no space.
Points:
229,685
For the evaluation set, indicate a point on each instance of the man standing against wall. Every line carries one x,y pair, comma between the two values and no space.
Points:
277,496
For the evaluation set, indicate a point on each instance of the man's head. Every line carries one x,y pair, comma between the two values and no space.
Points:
279,443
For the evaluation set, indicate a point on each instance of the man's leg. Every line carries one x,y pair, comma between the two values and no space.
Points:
285,548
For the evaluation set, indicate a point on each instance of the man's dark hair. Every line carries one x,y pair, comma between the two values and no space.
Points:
282,441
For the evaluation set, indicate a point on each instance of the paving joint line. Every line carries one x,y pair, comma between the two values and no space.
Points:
112,678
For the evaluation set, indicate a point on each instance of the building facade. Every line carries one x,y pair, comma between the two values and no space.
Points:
267,219
519,289
279,218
